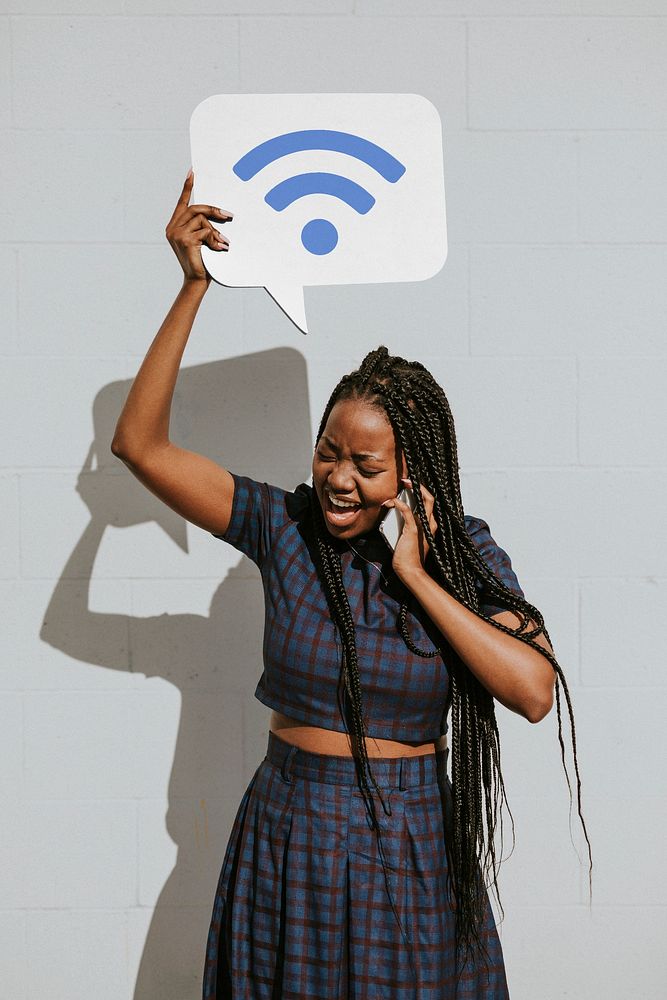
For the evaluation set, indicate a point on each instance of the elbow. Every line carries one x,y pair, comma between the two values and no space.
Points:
539,707
117,448
123,452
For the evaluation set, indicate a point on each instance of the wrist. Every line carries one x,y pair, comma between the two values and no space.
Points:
196,286
412,577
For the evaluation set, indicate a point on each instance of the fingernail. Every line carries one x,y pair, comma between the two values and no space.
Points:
189,174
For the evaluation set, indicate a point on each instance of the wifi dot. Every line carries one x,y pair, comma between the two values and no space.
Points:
319,236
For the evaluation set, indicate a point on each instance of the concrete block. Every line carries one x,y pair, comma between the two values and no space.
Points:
151,543
628,203
186,873
100,744
13,854
77,199
100,320
120,72
218,652
380,55
13,957
11,745
96,8
621,404
8,300
167,949
625,830
576,521
9,527
623,632
227,7
505,409
218,328
157,602
155,164
47,555
511,188
532,763
618,734
80,854
55,426
71,629
558,952
557,599
466,8
208,751
575,73
613,8
5,74
567,300
81,953
418,318
157,852
543,869
11,636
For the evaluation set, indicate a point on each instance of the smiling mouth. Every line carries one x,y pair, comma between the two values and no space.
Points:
339,512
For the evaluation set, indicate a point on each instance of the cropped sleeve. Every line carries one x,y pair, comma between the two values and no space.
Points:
250,524
496,559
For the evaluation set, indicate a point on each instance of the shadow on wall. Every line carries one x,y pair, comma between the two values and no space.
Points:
250,414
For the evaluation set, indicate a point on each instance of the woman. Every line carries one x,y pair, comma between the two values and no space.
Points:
354,867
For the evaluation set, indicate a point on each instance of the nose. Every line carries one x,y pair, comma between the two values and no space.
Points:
340,478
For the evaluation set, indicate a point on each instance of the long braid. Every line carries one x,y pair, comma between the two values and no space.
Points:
419,413
330,570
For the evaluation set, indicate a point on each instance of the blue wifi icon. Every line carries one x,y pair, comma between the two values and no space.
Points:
319,236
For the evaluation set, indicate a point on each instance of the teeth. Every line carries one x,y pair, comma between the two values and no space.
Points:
341,503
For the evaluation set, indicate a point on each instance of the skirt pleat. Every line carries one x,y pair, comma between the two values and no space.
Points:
304,909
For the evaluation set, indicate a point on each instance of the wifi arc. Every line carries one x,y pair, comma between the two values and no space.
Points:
319,236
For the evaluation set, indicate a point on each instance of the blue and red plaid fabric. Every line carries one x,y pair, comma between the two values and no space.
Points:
302,910
404,695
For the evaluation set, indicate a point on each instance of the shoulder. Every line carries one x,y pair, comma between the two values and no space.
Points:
290,503
495,557
476,527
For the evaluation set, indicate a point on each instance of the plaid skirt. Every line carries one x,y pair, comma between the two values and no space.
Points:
305,910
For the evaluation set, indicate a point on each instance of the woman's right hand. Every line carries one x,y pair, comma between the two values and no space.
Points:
189,228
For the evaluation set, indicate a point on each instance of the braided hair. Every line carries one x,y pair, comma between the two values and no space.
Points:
420,416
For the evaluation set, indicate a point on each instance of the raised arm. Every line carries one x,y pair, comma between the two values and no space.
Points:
191,484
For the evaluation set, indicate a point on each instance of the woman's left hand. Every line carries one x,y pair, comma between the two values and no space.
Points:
412,546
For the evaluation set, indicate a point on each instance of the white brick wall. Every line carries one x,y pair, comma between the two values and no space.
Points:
129,725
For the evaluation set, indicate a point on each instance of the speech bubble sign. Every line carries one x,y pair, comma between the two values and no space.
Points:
326,189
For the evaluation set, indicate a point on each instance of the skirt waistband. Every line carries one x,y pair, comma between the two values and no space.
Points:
389,772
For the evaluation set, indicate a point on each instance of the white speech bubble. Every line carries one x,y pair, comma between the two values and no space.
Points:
343,189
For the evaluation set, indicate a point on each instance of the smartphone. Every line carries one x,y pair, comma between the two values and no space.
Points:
392,524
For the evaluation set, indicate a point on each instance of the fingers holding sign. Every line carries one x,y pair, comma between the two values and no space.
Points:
190,228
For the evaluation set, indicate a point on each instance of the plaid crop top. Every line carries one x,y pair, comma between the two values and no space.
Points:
404,695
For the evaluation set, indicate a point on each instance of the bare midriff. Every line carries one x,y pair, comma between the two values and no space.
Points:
330,741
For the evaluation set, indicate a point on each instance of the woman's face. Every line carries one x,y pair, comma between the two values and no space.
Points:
356,467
